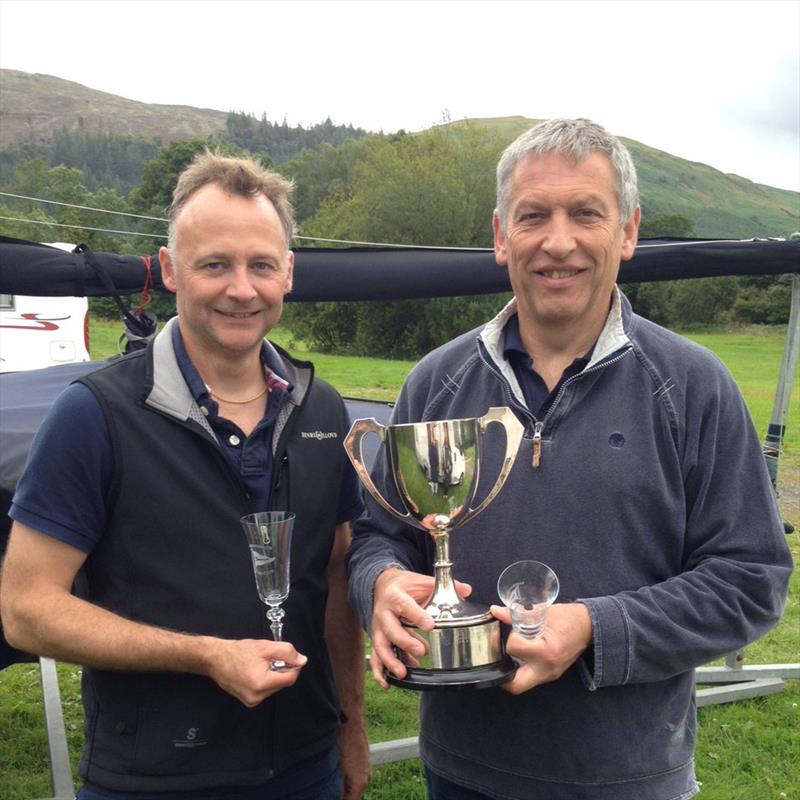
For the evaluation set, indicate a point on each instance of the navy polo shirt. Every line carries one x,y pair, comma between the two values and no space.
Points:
537,397
250,456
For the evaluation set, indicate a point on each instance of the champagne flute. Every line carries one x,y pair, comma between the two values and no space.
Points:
269,536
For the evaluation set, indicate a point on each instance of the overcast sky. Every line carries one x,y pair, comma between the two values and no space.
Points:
717,82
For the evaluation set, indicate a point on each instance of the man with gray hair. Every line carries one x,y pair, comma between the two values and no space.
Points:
639,479
134,489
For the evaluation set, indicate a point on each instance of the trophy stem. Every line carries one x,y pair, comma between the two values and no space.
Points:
445,601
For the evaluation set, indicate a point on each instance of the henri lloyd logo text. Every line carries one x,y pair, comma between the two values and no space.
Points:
319,435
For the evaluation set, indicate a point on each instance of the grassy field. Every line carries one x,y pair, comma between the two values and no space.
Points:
746,750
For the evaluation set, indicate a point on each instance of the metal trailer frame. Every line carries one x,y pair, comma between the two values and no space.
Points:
736,680
57,750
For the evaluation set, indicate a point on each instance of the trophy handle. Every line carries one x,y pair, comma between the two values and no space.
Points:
514,430
352,445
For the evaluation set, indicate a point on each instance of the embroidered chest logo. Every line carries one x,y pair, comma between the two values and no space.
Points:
319,435
616,440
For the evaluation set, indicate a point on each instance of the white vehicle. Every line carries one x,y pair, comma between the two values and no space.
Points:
38,332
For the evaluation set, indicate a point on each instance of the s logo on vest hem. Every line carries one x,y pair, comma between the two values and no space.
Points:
191,739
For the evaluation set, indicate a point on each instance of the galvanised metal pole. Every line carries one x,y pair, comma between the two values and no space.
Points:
773,441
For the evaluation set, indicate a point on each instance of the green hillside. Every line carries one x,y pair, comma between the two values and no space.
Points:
720,205
35,106
48,116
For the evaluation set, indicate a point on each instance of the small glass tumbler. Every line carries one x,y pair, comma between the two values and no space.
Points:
528,589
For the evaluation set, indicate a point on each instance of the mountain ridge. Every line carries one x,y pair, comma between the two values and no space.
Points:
34,106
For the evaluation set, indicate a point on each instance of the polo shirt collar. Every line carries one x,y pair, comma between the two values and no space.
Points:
273,370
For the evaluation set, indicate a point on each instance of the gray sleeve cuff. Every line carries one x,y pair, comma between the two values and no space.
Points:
611,644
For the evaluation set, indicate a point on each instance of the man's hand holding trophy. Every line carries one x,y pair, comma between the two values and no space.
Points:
453,643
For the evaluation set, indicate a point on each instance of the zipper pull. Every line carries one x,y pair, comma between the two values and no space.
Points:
278,473
537,444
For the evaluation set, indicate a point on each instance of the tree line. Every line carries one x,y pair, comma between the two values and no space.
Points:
280,142
433,188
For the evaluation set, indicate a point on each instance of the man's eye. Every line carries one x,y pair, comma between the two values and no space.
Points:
588,213
215,266
532,216
263,266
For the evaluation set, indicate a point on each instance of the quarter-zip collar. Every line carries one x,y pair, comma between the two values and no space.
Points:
612,338
491,336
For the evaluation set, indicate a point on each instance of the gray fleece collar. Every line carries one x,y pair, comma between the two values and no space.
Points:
171,396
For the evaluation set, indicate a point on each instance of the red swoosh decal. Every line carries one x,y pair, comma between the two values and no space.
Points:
46,324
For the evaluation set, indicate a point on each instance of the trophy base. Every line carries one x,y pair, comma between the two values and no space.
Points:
450,680
463,653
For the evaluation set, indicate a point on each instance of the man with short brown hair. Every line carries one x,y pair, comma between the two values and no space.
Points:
134,488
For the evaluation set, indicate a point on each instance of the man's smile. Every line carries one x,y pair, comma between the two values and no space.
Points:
238,314
557,274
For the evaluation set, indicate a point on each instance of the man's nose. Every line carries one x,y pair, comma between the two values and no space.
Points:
240,285
559,239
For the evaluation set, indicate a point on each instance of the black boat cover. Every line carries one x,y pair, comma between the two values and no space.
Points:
384,273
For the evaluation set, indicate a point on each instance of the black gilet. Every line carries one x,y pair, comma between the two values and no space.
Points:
173,555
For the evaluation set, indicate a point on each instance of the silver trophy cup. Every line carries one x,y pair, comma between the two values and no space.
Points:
435,467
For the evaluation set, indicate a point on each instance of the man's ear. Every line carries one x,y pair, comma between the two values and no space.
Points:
167,269
500,251
630,235
290,272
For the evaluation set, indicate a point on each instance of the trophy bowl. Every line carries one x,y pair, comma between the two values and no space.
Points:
435,470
